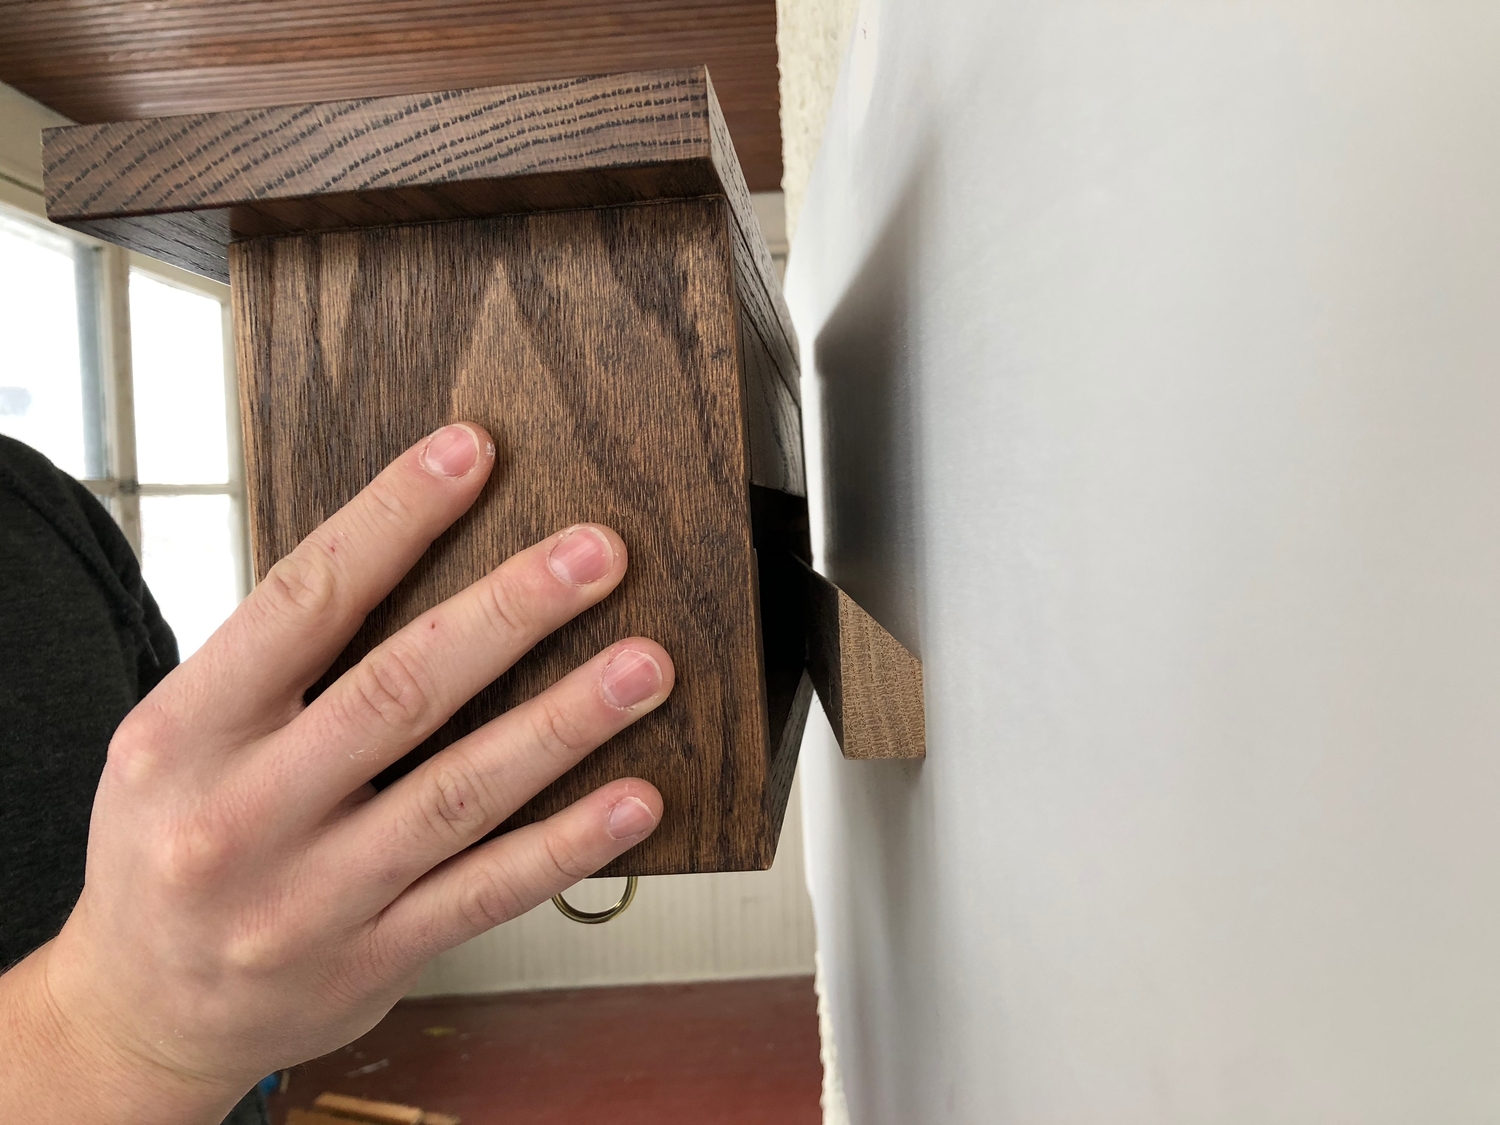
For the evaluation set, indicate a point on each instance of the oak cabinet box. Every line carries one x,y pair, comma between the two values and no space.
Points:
576,266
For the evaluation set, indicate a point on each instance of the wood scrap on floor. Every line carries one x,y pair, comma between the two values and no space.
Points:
340,1109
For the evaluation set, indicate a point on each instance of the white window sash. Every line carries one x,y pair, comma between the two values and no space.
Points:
119,484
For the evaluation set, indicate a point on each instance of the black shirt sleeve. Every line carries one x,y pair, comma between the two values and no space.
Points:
81,642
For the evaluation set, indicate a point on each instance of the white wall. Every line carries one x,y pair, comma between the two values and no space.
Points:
1160,350
21,123
811,36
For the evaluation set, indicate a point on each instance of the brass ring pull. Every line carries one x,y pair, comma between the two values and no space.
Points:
595,917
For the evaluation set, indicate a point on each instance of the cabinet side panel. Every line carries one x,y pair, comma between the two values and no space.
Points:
773,413
599,348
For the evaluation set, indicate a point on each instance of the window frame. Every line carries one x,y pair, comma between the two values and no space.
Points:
119,487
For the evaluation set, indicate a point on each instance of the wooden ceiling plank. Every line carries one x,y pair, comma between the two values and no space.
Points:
97,60
340,35
224,22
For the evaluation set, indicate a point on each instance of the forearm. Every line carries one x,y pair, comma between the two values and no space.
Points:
58,1065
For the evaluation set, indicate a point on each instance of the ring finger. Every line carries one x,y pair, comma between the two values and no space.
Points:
463,793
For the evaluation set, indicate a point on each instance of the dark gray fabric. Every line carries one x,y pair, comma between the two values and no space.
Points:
250,1111
81,641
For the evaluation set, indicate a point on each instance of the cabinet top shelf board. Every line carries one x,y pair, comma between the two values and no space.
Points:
182,188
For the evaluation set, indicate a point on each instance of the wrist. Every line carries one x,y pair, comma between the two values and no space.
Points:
65,1062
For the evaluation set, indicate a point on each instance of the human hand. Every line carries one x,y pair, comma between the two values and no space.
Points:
250,900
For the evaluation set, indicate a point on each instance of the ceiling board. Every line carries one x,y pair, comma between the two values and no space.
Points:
110,60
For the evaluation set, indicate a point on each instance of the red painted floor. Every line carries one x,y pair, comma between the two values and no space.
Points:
718,1053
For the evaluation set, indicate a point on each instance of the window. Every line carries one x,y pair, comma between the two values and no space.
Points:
47,376
118,370
190,506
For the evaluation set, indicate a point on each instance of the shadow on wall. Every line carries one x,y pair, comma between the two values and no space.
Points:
870,430
874,875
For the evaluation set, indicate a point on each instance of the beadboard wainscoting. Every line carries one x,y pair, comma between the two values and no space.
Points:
680,928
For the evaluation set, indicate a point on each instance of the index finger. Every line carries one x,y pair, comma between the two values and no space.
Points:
253,672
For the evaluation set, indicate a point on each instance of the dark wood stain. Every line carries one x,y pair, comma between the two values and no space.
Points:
600,348
127,59
870,684
182,188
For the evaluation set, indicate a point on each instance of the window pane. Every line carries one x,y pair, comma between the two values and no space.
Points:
188,560
41,381
177,352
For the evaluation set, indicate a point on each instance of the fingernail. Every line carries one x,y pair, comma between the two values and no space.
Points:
451,451
581,556
630,677
630,818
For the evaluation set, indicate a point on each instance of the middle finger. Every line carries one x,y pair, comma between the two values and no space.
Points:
413,681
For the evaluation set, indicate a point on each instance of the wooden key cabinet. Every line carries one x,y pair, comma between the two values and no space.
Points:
576,266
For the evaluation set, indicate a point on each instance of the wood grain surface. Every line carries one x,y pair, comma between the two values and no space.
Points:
600,347
870,685
181,188
114,60
755,276
252,158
